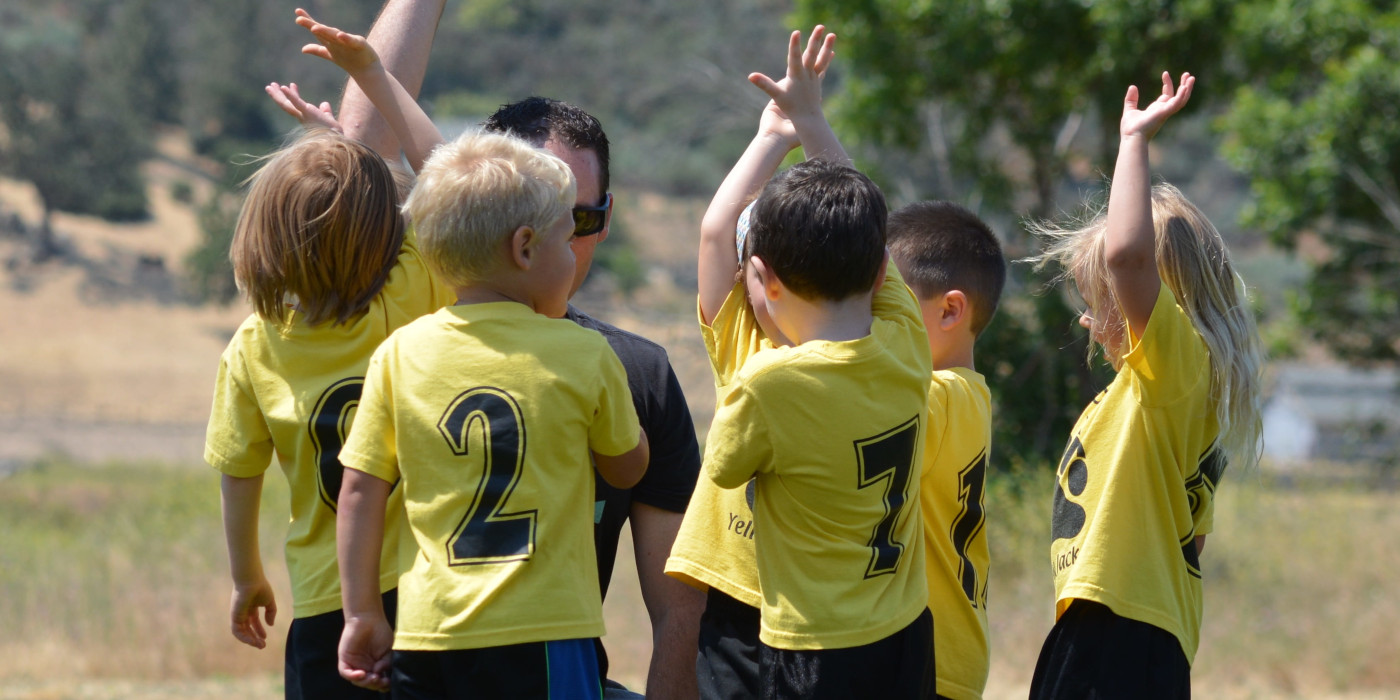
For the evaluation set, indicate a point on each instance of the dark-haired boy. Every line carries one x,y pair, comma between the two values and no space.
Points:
954,264
830,428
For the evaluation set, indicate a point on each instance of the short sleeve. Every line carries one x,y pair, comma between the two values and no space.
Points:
412,289
894,301
371,445
739,445
732,336
1170,358
238,441
615,427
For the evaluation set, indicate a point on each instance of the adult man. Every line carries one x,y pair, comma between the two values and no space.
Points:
403,36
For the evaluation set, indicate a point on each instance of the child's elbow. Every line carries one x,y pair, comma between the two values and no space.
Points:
625,470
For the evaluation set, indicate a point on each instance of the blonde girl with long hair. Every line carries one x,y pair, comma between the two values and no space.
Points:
325,260
1134,499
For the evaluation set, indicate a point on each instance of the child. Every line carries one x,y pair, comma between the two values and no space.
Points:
501,599
714,550
322,253
1136,484
953,262
831,429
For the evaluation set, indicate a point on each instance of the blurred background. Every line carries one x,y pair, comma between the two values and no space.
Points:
127,126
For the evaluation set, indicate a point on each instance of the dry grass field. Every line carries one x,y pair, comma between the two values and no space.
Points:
113,582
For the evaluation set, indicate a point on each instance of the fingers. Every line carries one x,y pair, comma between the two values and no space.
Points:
814,46
794,60
1167,89
1130,101
828,52
766,84
270,613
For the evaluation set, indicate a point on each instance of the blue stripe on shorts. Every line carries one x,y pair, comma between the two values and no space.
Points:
573,670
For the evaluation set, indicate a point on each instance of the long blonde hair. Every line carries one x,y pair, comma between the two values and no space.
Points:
1194,264
320,226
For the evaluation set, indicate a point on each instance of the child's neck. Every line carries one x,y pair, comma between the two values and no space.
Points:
833,321
953,359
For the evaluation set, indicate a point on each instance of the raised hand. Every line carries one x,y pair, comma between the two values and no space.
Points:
349,51
1149,119
799,93
289,99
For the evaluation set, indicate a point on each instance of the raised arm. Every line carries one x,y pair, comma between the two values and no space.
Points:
403,36
414,130
1129,238
777,135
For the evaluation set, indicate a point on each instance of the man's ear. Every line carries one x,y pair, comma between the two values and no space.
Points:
607,226
772,286
954,310
522,247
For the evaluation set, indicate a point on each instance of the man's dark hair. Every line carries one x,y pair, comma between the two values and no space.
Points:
941,247
536,119
821,228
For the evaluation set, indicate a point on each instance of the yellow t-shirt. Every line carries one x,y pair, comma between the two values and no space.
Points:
293,391
1136,484
714,546
952,490
488,412
834,433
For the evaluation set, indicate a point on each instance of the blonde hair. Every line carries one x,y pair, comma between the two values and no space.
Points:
320,226
1194,264
473,193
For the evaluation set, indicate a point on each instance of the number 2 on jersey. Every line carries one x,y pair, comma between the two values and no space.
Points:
888,459
488,534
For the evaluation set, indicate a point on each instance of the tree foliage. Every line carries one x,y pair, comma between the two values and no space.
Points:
1316,126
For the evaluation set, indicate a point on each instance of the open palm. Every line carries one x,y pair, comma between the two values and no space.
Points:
1149,119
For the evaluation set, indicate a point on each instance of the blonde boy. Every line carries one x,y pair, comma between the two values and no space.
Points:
953,263
485,415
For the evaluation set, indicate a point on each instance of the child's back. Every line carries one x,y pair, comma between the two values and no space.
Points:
832,429
954,265
330,277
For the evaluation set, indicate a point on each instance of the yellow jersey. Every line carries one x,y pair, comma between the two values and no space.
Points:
488,413
1136,483
292,390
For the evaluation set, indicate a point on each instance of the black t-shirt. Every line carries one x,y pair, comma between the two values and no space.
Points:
664,415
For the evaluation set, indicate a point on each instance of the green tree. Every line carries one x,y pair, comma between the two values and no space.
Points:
1317,129
997,104
69,129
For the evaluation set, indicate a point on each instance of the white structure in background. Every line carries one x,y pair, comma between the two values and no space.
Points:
1332,413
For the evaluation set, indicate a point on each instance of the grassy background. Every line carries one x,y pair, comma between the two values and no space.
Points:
114,584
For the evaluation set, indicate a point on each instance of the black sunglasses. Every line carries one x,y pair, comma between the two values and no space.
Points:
591,220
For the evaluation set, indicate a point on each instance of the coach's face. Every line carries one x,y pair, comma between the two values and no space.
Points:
584,164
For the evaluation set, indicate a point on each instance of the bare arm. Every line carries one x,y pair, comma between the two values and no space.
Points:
779,131
1129,240
414,130
242,497
625,470
674,607
359,532
403,35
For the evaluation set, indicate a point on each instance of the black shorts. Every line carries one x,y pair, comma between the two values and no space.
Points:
1093,652
727,665
898,666
558,670
310,662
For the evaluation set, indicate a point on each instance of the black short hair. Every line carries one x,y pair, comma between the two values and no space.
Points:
821,228
942,246
536,119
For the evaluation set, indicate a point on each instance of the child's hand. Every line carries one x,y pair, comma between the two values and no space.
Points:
799,93
287,97
243,611
1147,121
775,123
349,51
364,654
